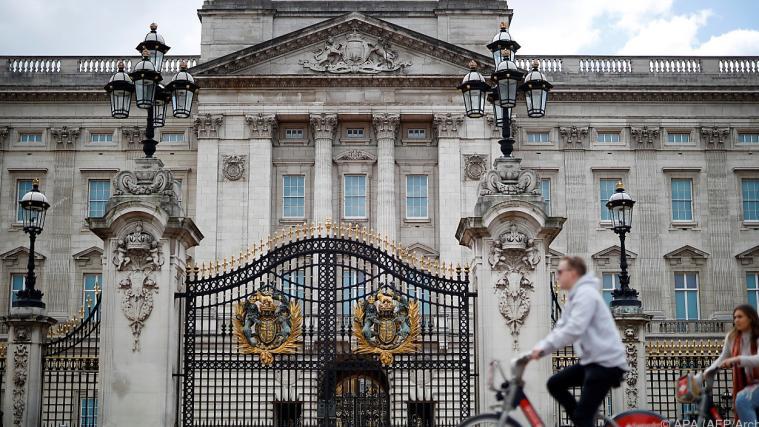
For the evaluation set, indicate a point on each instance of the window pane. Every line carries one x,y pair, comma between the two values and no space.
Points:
537,137
293,196
680,313
607,137
748,138
679,281
752,298
30,137
17,284
682,200
692,305
416,133
172,137
355,196
416,196
607,188
92,282
691,280
101,137
750,190
678,138
545,190
88,412
23,186
99,193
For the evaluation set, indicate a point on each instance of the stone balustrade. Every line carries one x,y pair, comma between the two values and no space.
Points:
90,64
700,328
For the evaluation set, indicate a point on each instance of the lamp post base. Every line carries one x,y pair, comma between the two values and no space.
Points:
626,301
149,147
28,302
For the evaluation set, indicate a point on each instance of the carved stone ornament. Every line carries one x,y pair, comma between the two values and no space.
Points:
355,155
4,132
446,125
323,125
386,126
515,255
631,377
234,167
386,323
137,256
20,375
715,135
65,134
475,166
573,134
207,126
355,53
133,134
497,130
146,181
644,135
508,177
262,125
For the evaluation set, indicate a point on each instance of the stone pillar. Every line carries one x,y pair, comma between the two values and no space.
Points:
27,329
632,394
262,128
386,129
145,239
323,127
578,198
509,236
449,183
207,129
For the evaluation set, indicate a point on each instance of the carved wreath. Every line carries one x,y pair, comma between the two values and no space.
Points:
234,167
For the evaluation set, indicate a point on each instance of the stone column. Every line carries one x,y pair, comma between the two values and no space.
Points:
23,365
207,129
509,235
145,239
386,129
575,142
632,394
262,128
323,127
449,183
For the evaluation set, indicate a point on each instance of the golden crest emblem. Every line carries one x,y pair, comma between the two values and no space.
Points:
266,324
386,323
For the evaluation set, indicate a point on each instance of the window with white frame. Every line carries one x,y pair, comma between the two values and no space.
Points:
354,196
294,133
545,190
686,296
172,137
353,289
608,137
101,137
355,133
610,282
537,137
678,137
88,412
91,285
23,186
682,199
98,195
17,284
752,287
748,137
416,133
30,137
750,193
417,201
607,187
293,196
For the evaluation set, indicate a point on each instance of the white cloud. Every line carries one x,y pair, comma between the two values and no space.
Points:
735,42
673,36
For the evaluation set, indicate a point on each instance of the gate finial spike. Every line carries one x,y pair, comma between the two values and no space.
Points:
225,264
319,229
328,225
290,234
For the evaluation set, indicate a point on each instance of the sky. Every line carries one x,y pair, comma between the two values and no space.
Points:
547,27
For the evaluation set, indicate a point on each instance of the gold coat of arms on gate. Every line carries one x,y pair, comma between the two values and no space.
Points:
267,323
386,323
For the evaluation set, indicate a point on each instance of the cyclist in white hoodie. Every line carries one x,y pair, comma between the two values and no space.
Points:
586,323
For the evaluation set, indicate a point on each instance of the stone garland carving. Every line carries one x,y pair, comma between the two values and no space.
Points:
447,125
133,134
234,166
355,155
323,125
475,166
207,126
573,134
386,126
20,374
514,254
631,376
715,135
145,182
262,125
65,134
508,177
644,135
355,54
138,255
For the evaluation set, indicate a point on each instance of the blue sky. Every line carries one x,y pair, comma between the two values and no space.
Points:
562,27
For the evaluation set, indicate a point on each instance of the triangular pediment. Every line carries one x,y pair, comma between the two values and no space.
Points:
422,251
612,252
89,255
686,255
749,257
20,254
353,44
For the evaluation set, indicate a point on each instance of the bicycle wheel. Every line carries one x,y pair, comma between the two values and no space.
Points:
487,420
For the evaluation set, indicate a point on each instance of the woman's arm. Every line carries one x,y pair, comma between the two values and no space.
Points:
726,350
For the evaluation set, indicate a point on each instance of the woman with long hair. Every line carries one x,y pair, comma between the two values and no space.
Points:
740,354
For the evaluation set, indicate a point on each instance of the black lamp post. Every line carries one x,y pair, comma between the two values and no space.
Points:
620,207
509,80
144,83
34,205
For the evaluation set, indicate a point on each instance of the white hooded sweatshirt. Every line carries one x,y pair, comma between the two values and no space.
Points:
586,323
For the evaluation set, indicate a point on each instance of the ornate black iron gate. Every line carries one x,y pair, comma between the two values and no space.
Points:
328,326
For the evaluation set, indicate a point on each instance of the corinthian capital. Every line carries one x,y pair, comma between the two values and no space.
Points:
386,125
207,126
446,125
261,125
4,131
65,134
323,125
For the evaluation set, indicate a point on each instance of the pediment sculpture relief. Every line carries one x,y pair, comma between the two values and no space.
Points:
355,54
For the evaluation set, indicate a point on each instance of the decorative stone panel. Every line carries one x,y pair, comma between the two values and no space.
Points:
65,134
475,166
574,135
645,135
714,137
234,167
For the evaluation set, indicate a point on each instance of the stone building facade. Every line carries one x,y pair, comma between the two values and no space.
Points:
352,114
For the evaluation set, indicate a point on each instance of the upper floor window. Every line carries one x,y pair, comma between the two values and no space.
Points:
172,137
752,287
537,137
23,186
353,289
686,296
294,133
423,298
607,137
30,137
545,190
682,199
750,190
99,193
354,198
90,289
607,186
294,284
748,138
293,196
357,133
417,201
416,133
17,284
101,137
88,412
678,137
610,282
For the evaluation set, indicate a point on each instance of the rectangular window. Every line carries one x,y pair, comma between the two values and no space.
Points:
686,296
172,137
355,133
354,199
607,188
678,137
88,412
293,133
682,199
752,287
750,190
610,282
30,137
422,296
537,137
353,289
293,196
101,137
91,286
416,196
416,133
607,137
17,284
23,186
99,193
294,284
545,190
748,138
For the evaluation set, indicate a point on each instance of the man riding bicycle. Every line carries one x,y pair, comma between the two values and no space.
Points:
588,325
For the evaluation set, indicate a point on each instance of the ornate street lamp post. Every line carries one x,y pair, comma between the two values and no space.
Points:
620,207
34,205
509,80
143,83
